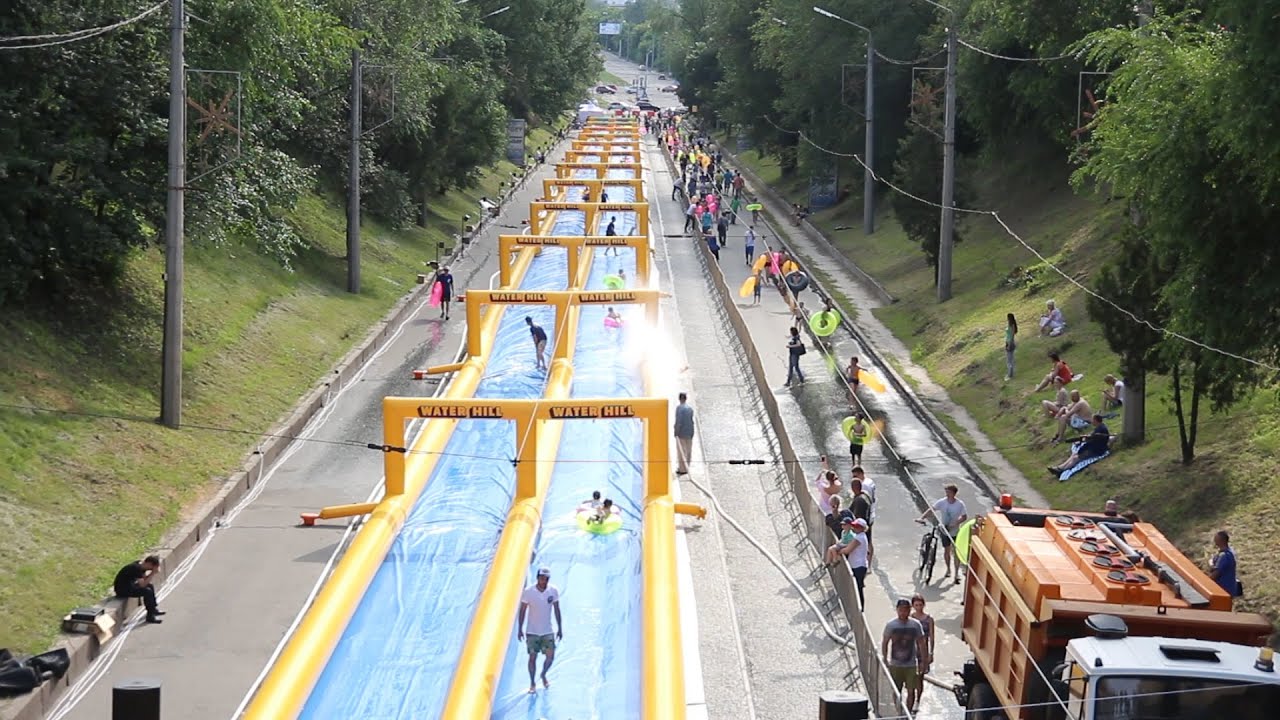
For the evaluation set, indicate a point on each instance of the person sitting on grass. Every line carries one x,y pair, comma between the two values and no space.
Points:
1060,369
1112,392
1052,322
1095,444
1060,400
1076,414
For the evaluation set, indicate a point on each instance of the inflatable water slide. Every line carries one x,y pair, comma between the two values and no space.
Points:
485,483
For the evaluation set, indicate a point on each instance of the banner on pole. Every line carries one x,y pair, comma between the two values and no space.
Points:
608,28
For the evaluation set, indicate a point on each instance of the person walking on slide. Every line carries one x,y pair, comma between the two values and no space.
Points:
539,341
537,601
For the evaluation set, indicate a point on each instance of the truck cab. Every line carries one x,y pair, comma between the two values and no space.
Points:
1150,678
1087,617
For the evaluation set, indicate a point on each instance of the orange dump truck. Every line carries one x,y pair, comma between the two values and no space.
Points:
1087,617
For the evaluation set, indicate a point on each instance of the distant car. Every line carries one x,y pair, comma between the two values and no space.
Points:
670,88
647,106
605,90
631,91
643,68
615,105
662,77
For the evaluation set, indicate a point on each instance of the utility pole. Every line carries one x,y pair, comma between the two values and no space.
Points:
946,236
353,176
869,175
171,362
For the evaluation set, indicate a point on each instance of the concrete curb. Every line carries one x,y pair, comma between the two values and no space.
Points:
956,450
184,539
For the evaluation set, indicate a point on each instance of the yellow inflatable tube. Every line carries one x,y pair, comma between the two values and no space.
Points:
475,678
286,688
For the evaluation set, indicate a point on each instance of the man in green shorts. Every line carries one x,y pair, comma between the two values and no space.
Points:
905,648
537,601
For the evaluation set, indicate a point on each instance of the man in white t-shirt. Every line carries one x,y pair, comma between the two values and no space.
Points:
951,514
537,601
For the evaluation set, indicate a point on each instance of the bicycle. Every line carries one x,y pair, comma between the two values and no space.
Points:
928,553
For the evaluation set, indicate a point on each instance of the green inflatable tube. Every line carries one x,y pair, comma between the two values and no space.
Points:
610,525
824,322
614,282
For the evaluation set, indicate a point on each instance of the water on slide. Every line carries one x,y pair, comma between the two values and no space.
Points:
397,656
596,673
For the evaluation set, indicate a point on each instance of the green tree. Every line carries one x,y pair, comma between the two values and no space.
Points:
1158,141
82,148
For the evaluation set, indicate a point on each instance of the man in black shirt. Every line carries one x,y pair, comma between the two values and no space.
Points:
134,580
1092,445
539,341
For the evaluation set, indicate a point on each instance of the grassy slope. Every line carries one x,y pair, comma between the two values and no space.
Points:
80,495
1233,483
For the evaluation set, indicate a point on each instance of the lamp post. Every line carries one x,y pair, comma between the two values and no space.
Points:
868,174
946,234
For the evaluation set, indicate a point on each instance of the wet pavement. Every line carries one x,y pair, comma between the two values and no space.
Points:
908,461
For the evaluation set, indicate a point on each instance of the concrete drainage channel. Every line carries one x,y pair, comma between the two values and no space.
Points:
186,539
900,385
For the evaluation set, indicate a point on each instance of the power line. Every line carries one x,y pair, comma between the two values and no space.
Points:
1011,233
917,61
75,35
998,56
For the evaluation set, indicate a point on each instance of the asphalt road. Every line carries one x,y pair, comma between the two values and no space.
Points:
231,611
812,413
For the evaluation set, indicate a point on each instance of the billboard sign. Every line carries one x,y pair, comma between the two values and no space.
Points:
515,141
610,28
824,188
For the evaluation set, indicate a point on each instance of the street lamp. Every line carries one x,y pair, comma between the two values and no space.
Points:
868,174
499,11
946,235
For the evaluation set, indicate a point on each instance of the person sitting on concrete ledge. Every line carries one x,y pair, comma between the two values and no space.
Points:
1052,322
134,581
837,515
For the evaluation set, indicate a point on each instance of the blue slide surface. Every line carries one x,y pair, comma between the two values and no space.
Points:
596,673
397,657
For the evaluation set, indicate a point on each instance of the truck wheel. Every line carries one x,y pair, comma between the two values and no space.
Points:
983,704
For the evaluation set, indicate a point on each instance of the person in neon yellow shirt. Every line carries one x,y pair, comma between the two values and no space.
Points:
859,436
